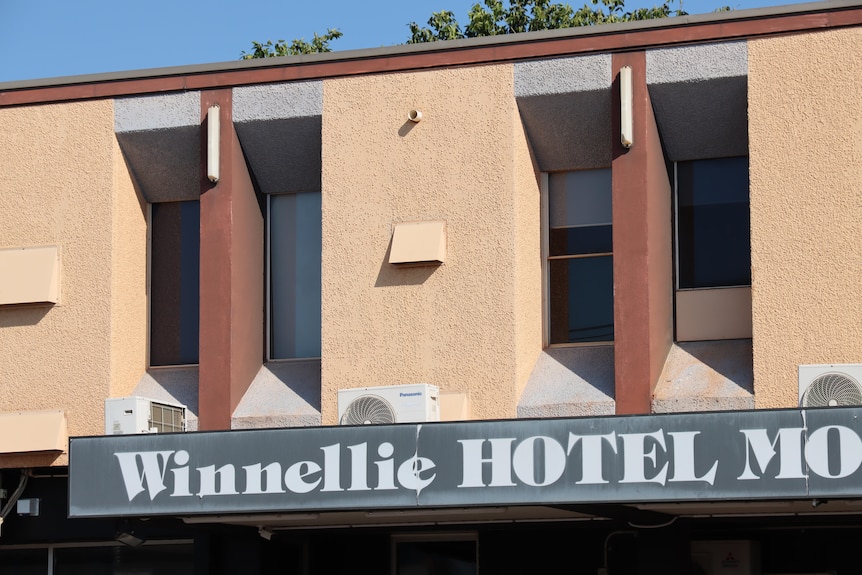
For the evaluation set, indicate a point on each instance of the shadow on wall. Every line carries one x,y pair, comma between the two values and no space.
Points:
406,128
731,359
391,275
172,385
706,376
23,314
283,394
139,194
29,460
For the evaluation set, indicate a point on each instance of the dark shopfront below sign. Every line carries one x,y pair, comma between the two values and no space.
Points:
705,456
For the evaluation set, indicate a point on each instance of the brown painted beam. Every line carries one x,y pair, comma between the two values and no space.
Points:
643,319
232,275
583,41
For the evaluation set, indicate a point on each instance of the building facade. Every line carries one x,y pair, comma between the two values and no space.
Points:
551,230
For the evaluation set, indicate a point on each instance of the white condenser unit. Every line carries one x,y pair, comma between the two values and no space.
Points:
131,415
416,402
830,385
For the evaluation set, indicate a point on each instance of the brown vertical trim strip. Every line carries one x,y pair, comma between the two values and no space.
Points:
642,265
231,332
215,361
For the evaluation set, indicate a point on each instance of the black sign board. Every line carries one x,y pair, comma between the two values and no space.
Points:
682,457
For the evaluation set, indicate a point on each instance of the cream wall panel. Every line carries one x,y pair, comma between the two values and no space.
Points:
58,187
806,206
128,281
528,256
710,314
454,325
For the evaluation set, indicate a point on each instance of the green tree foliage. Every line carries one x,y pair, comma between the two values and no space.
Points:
281,48
511,16
491,18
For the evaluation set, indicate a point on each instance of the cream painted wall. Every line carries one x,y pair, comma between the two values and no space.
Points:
63,182
128,281
806,206
528,257
468,325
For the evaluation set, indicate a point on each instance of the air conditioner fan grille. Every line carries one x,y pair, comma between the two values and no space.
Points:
368,409
832,390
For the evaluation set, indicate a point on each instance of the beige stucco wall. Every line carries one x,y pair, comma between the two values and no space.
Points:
128,281
63,182
528,256
806,206
456,325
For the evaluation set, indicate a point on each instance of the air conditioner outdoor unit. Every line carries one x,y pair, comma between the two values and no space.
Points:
830,385
389,404
132,415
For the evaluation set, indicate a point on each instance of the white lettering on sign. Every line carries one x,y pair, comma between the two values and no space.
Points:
576,461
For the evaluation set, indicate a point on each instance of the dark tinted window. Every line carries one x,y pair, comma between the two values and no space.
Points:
174,283
713,232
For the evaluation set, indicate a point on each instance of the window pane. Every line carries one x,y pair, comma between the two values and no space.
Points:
295,254
175,283
580,198
586,240
24,562
713,230
582,300
436,558
143,560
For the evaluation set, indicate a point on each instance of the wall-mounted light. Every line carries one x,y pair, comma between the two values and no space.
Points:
626,123
213,141
414,116
129,538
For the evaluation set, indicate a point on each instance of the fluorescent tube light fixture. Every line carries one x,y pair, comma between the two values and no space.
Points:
213,141
626,125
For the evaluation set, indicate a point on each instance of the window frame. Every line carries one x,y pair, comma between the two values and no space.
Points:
50,548
547,259
708,313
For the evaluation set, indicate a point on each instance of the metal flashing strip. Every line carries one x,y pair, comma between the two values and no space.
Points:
625,35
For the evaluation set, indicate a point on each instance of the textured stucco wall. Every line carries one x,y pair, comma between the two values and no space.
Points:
806,205
279,127
453,325
62,182
698,94
160,138
128,281
566,111
528,257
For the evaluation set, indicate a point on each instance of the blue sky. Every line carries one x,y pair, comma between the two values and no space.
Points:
51,38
